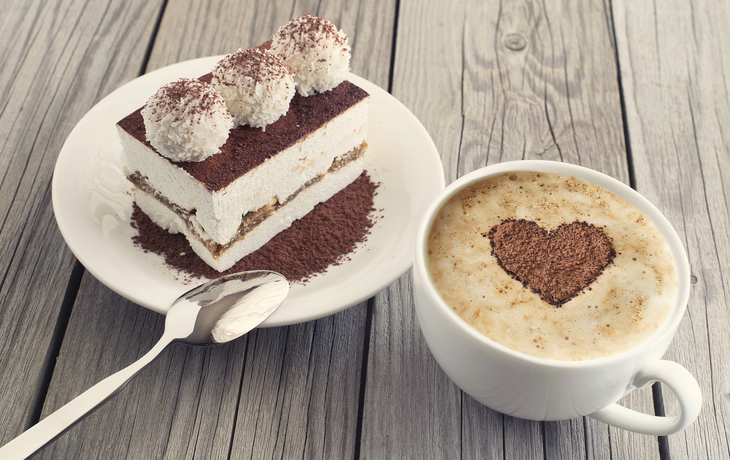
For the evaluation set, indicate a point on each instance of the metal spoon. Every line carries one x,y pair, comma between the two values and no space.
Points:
215,312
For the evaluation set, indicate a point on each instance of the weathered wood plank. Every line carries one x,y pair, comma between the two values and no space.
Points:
482,430
276,393
275,389
222,27
493,82
411,406
674,67
55,62
132,328
300,390
412,410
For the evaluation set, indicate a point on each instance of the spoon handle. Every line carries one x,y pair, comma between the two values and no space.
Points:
64,418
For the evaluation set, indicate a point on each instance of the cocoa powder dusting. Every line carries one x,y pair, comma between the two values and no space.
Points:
248,147
324,237
556,265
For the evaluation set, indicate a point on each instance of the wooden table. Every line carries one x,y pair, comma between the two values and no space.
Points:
638,90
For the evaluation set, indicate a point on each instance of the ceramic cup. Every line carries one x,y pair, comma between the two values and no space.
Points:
535,388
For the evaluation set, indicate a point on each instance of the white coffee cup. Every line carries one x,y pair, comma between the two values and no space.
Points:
535,388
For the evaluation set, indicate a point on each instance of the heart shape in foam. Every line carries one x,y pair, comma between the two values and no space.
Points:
558,265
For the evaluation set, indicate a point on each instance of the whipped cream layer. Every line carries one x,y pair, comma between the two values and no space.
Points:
271,222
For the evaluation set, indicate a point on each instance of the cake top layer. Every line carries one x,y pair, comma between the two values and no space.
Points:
248,147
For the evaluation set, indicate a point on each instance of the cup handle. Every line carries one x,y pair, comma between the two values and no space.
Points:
679,380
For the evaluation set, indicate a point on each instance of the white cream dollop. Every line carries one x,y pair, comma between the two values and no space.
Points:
187,120
315,51
256,85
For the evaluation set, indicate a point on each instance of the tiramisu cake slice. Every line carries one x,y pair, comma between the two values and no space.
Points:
234,157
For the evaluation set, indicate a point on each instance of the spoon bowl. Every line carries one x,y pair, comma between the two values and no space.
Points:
215,312
226,308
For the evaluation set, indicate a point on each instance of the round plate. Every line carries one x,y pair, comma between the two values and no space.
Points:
93,204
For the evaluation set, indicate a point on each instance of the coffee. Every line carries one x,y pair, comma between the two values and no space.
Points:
552,266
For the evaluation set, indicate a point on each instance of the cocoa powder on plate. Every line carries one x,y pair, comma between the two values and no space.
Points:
326,236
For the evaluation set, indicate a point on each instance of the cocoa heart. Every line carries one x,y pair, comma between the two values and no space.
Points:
556,266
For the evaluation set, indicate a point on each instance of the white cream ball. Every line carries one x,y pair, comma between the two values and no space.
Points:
317,53
256,85
187,120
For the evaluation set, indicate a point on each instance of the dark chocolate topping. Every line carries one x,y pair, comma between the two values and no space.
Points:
557,265
248,147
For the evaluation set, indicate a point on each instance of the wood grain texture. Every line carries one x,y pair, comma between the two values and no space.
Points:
482,430
674,69
493,82
539,82
267,394
198,28
299,380
56,62
411,406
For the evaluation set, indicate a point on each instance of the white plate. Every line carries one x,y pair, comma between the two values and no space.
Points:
93,206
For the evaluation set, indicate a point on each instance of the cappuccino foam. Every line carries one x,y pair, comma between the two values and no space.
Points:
626,303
